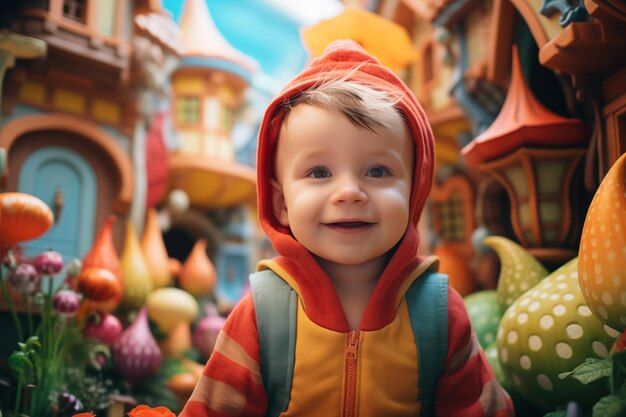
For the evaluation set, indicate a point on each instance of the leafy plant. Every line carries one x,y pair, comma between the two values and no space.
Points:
613,367
26,365
92,386
48,346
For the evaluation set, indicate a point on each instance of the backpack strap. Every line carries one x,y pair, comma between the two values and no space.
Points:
275,307
427,300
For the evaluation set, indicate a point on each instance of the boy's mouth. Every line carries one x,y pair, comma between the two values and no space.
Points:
349,226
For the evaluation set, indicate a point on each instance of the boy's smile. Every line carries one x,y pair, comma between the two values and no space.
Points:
343,190
354,226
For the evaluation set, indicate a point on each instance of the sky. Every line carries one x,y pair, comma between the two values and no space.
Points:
304,11
267,30
308,11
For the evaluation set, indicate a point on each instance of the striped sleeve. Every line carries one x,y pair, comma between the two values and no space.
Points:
468,386
231,383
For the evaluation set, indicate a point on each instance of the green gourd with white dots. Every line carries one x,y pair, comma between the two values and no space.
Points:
519,270
547,331
484,313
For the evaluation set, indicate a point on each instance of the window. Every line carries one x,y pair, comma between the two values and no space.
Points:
453,212
451,218
75,10
188,110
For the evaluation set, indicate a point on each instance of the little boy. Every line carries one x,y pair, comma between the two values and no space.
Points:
345,163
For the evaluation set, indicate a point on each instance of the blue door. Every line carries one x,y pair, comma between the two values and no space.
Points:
54,169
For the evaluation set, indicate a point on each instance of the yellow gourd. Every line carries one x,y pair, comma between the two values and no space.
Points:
135,272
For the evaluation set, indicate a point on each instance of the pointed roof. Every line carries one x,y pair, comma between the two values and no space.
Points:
524,122
202,39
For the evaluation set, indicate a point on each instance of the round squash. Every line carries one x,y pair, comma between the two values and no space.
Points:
550,330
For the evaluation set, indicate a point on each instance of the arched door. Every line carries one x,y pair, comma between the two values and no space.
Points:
55,169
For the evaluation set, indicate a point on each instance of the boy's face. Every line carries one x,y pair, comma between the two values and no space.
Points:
343,190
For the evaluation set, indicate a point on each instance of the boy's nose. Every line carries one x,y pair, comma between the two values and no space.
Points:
349,191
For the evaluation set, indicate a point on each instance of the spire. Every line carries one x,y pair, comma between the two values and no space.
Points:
203,39
524,122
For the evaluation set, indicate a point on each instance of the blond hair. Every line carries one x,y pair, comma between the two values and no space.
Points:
364,106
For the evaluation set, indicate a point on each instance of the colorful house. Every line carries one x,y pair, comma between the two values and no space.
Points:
73,117
208,87
520,150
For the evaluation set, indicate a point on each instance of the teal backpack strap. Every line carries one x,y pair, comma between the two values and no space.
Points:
275,306
427,300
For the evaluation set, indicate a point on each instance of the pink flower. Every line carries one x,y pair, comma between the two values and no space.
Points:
66,303
24,278
49,262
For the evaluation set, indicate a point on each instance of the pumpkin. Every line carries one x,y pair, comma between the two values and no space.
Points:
519,270
99,284
103,255
602,252
182,385
550,330
197,275
24,217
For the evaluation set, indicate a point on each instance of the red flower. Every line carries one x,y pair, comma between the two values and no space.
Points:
84,415
145,411
620,343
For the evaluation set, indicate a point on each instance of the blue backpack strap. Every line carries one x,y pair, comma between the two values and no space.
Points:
427,300
275,307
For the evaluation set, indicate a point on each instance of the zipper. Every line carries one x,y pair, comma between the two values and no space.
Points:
351,358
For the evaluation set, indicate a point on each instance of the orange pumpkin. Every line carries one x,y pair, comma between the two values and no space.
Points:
99,284
24,217
182,385
198,276
102,254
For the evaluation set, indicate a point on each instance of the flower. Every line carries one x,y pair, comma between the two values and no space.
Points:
24,278
145,411
49,263
84,415
65,303
47,346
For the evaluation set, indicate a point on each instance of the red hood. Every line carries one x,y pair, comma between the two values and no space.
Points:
323,306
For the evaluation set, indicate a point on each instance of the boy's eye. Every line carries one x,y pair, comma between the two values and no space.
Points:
319,172
378,172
